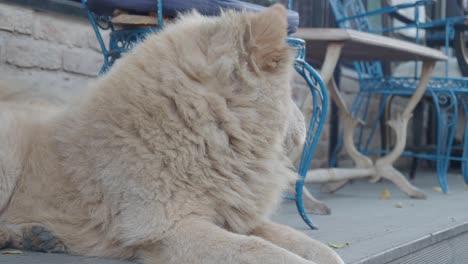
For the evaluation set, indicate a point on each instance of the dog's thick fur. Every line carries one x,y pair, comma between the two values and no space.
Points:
175,156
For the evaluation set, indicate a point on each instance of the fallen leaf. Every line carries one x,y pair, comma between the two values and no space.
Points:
437,189
11,252
385,195
399,205
338,245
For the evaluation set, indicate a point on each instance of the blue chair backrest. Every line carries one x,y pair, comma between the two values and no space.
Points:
346,12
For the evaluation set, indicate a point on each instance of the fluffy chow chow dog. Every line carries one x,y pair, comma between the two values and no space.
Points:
175,156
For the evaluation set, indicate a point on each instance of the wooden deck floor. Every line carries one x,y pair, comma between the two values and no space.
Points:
376,230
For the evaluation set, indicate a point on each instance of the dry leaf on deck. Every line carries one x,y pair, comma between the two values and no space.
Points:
338,245
385,195
11,252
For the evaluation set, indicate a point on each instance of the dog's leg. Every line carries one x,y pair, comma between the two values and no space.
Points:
196,241
32,237
297,242
38,238
4,238
312,204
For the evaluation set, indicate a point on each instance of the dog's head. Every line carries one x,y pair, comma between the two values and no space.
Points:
211,97
240,63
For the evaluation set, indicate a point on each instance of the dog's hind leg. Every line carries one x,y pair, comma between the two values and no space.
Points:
4,238
31,237
38,238
10,237
195,240
12,153
8,180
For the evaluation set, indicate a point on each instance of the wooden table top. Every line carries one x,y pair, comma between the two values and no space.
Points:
364,46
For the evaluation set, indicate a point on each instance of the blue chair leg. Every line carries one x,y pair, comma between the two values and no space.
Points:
447,114
105,67
463,99
319,114
107,64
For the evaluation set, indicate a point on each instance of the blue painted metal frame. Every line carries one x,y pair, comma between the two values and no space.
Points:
448,24
463,99
445,92
320,109
122,41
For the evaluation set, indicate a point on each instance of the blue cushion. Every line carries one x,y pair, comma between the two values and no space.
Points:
172,7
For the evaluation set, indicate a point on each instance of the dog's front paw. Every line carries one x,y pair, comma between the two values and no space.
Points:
37,238
4,239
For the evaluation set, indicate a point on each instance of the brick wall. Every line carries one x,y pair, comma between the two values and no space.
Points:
49,51
59,54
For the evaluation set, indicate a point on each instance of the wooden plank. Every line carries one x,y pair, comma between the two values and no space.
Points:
376,229
364,46
135,20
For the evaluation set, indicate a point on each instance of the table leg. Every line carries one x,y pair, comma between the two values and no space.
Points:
339,176
383,167
331,59
328,67
428,67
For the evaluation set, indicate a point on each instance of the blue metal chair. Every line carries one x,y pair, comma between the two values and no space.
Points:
320,109
120,41
123,40
446,32
443,91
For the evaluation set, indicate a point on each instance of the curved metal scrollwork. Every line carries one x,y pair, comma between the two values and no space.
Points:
320,108
447,114
463,99
125,40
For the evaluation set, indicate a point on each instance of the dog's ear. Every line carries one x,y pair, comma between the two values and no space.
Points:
265,39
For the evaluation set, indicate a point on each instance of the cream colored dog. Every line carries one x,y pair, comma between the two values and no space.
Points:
175,156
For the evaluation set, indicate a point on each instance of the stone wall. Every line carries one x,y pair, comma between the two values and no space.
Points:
49,51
